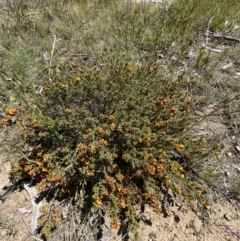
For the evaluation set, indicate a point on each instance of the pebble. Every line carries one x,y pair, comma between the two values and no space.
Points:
152,235
227,216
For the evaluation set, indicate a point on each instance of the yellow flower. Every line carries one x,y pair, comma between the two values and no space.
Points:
78,79
98,203
182,175
12,98
64,86
11,111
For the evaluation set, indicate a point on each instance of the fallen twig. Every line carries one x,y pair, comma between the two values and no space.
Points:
221,35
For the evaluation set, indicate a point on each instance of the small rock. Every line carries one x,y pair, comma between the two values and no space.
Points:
174,238
152,235
227,173
227,216
238,148
227,66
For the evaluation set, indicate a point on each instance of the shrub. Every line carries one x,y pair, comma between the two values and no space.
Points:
118,133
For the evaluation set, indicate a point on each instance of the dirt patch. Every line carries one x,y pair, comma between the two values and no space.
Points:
186,224
182,223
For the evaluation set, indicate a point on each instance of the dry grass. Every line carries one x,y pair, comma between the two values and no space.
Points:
36,34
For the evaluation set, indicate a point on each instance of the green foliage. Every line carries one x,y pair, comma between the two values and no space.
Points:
118,133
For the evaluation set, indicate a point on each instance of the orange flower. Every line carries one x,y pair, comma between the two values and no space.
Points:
11,111
102,143
179,190
199,193
78,79
100,130
174,110
111,117
106,192
173,168
35,123
113,126
67,111
166,177
89,173
91,148
122,203
130,68
207,206
187,108
153,199
179,147
189,101
160,168
114,168
86,161
115,223
218,155
145,156
159,123
162,153
162,102
121,177
64,86
124,156
64,189
73,65
97,71
5,122
46,157
150,170
153,138
42,134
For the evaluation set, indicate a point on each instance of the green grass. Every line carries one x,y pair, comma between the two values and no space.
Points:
37,36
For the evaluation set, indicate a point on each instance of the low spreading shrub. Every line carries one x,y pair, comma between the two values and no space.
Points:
117,132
